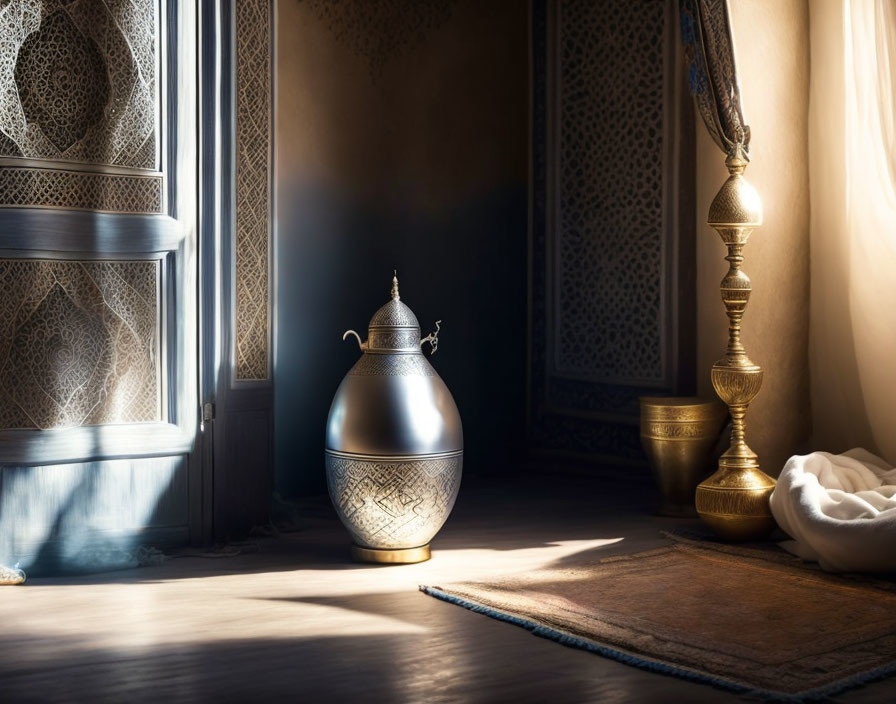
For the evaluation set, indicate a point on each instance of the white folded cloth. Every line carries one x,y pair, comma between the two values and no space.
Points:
840,510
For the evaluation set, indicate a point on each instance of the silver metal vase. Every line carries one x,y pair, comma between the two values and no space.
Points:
394,447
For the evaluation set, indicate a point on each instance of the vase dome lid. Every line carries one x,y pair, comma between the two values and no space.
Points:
394,314
394,327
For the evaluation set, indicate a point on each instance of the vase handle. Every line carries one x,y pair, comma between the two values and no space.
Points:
433,338
361,345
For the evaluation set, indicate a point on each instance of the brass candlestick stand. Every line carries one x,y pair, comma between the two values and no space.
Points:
734,500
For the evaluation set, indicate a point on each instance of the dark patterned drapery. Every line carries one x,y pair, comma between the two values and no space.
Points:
712,73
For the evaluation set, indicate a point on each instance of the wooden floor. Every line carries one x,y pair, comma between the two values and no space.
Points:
296,621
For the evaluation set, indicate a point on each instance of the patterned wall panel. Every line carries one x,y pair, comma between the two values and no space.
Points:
78,84
79,343
253,188
604,116
52,188
608,241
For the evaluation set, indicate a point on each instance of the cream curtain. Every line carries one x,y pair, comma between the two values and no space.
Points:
852,175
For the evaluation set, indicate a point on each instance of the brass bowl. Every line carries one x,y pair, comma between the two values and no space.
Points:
679,435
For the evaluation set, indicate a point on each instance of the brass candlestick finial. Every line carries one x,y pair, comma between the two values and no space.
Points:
734,500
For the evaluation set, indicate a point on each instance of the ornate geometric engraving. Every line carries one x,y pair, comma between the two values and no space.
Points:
78,80
392,365
78,85
62,80
253,158
608,243
394,314
394,339
49,188
668,431
393,503
379,30
79,343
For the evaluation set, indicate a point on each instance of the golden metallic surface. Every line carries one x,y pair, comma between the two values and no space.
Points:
734,500
406,556
678,435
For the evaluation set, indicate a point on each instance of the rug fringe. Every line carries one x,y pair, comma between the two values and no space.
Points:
657,666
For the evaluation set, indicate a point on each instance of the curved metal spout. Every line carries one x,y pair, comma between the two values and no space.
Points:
361,345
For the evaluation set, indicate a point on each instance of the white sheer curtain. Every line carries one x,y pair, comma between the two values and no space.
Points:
852,174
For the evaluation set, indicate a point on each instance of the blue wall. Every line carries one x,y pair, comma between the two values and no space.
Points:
415,161
466,269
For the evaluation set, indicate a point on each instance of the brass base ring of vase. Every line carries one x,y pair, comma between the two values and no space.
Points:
403,556
679,435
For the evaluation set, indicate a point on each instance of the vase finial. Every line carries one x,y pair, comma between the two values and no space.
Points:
737,160
395,295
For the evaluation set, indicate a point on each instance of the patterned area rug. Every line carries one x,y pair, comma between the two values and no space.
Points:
746,619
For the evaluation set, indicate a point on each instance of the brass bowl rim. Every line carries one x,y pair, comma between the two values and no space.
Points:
657,417
679,402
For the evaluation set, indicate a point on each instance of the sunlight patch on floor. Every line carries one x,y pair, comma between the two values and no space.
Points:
250,605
